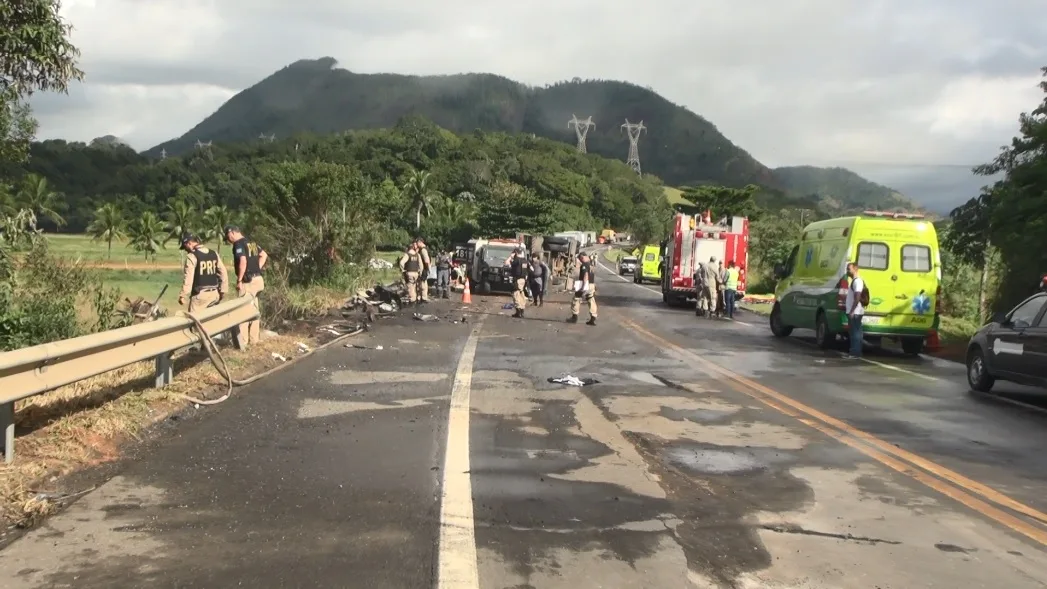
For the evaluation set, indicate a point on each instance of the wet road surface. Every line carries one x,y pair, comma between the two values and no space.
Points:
708,455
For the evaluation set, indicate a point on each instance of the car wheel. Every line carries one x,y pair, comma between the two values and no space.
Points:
978,376
822,336
778,328
912,346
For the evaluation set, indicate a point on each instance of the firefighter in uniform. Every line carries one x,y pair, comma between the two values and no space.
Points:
584,288
248,262
204,280
423,282
520,268
410,266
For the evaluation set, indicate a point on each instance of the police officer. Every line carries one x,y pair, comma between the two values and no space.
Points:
204,280
423,283
410,266
248,262
584,288
443,275
520,269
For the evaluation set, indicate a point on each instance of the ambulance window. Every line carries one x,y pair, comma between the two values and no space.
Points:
916,258
873,255
649,257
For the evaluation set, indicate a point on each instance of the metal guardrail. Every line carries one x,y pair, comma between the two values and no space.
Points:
31,371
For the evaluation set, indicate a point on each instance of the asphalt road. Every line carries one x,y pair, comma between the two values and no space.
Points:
709,454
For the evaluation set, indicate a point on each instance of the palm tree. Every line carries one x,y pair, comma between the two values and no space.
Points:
108,224
8,205
181,217
418,190
147,235
36,195
216,219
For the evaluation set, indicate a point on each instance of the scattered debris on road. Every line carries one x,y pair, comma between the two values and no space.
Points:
574,380
425,317
279,357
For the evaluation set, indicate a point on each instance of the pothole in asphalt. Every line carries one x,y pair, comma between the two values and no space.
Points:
696,415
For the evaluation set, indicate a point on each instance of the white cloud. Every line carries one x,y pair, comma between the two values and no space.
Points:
805,81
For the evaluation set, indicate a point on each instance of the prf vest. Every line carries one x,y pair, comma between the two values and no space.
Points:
206,277
414,263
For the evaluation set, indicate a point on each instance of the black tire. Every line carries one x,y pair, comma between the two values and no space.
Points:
778,328
552,240
823,337
912,346
665,298
978,376
485,288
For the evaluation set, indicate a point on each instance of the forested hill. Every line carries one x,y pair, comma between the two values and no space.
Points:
839,189
314,96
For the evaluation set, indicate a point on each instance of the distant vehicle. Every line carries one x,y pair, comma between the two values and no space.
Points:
650,267
1012,347
627,265
897,255
488,271
692,241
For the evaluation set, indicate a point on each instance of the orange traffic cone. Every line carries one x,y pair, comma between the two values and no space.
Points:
932,344
467,296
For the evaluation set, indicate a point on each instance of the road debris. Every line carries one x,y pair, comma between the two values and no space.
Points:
574,380
279,357
425,317
302,347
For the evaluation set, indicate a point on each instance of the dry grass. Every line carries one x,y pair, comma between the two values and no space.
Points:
87,423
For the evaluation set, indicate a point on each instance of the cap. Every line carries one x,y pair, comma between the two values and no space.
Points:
229,228
187,237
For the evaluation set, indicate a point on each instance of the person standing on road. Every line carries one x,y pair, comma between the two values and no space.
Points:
204,281
520,269
856,296
443,275
710,278
539,279
730,289
423,281
410,266
584,288
700,308
248,262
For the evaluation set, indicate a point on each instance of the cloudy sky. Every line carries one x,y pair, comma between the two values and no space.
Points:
899,90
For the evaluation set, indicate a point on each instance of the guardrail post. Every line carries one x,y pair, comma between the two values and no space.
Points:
164,370
7,424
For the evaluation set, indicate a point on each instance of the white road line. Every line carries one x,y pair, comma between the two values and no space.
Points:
457,551
625,280
897,369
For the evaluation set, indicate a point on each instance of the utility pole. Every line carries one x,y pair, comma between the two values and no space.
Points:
163,154
581,129
267,138
634,130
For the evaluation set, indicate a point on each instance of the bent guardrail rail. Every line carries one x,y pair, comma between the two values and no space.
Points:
38,369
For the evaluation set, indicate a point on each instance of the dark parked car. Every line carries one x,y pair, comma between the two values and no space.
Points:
1012,347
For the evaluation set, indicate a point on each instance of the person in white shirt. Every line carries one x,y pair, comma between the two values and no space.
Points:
855,311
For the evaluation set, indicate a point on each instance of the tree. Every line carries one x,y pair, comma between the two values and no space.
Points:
108,224
36,55
419,192
147,234
723,201
216,219
1012,215
36,195
181,218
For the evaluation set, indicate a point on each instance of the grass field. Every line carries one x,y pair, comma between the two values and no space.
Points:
675,196
93,252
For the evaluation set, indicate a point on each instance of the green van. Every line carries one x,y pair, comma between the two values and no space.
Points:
897,255
650,267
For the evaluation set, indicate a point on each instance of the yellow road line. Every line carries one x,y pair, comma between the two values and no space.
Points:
877,449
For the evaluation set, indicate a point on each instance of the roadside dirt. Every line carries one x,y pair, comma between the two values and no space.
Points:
130,265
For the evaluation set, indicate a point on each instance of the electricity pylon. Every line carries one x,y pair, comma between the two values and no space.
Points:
634,130
581,129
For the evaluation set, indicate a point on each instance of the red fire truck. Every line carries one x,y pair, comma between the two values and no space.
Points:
693,239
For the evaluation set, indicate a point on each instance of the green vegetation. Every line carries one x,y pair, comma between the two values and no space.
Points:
838,190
